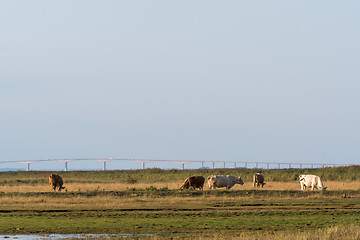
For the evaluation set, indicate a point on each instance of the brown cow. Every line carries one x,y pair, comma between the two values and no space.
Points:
194,182
56,181
258,180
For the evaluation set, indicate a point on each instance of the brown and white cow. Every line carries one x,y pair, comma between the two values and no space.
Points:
258,180
56,181
220,181
194,182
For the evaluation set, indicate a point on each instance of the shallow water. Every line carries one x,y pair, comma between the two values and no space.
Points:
53,236
65,236
76,236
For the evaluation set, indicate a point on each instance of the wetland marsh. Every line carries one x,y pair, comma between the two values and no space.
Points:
140,202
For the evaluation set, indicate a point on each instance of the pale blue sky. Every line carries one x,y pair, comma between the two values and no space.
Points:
201,80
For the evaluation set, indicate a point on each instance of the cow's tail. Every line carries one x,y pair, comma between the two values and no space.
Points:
320,184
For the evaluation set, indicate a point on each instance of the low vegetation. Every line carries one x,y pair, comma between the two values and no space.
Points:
150,202
351,173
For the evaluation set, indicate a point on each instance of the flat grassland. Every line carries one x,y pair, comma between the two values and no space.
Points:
150,202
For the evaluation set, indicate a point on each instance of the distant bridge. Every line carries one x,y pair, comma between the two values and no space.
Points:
225,164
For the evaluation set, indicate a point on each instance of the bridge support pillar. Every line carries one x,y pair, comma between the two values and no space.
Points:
28,167
66,168
104,165
142,165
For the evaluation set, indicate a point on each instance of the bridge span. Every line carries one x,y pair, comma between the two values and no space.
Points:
201,163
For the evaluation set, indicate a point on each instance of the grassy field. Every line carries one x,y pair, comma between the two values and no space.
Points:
149,201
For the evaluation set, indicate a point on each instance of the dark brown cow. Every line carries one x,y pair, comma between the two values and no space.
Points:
56,182
194,182
258,180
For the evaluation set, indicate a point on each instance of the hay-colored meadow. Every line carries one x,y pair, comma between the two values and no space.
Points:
331,185
150,201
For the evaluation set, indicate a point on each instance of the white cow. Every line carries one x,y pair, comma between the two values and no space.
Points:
310,180
227,181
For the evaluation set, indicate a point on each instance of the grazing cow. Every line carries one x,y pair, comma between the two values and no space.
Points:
219,181
56,181
258,180
311,180
194,182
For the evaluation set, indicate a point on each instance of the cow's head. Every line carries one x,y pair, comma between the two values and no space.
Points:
185,185
301,178
211,178
240,181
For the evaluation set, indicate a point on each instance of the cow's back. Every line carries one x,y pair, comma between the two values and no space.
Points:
308,179
227,181
194,182
221,181
258,178
197,181
231,181
312,181
216,181
55,179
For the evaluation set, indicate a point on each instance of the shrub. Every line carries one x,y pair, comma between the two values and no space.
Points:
130,180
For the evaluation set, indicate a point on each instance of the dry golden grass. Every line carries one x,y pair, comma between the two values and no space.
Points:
102,202
107,201
330,233
331,185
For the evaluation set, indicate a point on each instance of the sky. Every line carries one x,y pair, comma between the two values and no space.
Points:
259,81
